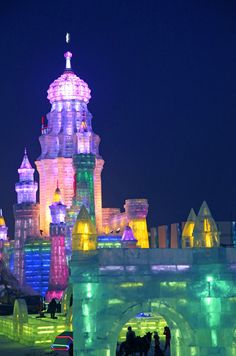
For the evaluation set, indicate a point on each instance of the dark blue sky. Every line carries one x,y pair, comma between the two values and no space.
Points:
163,81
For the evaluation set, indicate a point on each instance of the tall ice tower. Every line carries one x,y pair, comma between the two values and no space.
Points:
68,132
26,213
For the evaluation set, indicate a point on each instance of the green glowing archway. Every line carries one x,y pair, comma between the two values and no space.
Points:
183,339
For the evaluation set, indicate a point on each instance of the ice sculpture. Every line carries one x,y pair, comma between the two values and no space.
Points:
26,213
68,132
205,231
84,234
3,228
136,210
58,278
187,233
128,240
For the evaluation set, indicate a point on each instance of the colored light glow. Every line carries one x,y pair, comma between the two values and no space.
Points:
139,227
169,268
131,284
68,86
187,234
84,236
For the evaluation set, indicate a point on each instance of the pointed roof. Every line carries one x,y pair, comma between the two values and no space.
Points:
84,224
205,230
128,234
189,225
204,210
2,220
192,215
25,163
57,195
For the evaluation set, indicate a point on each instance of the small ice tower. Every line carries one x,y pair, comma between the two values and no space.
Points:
128,240
136,211
187,234
84,234
59,275
3,228
205,231
26,213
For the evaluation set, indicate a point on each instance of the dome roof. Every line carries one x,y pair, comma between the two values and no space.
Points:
68,86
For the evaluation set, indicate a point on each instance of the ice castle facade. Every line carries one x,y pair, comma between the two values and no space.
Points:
118,270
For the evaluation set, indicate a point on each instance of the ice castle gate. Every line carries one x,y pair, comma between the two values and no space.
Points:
193,289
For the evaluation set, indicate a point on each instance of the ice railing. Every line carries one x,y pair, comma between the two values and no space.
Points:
163,260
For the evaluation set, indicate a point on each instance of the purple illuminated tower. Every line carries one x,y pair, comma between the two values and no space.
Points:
58,265
26,213
68,132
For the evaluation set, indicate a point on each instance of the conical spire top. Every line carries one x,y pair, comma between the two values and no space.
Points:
57,195
84,224
204,210
25,162
192,215
128,234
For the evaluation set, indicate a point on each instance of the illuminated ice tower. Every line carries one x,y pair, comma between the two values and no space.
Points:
68,132
3,228
26,213
58,265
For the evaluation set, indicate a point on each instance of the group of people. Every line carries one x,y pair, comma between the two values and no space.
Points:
130,337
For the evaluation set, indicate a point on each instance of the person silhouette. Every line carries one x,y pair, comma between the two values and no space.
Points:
168,337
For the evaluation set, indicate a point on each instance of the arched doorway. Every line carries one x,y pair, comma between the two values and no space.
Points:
183,339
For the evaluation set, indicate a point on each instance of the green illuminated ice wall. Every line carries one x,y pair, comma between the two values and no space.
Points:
194,290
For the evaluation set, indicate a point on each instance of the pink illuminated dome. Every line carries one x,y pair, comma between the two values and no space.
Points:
68,86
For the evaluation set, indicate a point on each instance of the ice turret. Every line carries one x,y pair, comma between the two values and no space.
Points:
84,234
26,188
128,240
3,227
59,274
57,208
205,231
26,213
187,234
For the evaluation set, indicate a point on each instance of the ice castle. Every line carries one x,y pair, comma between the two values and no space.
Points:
117,272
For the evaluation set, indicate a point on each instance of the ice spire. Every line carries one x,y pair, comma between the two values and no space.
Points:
57,208
3,227
205,231
25,162
26,188
187,234
128,240
84,234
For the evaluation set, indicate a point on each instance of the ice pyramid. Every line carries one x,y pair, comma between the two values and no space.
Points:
187,233
205,231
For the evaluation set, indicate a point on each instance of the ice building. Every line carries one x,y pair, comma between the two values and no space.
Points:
69,155
26,213
192,290
58,278
68,132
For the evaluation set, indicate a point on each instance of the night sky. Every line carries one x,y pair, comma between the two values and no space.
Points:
163,81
